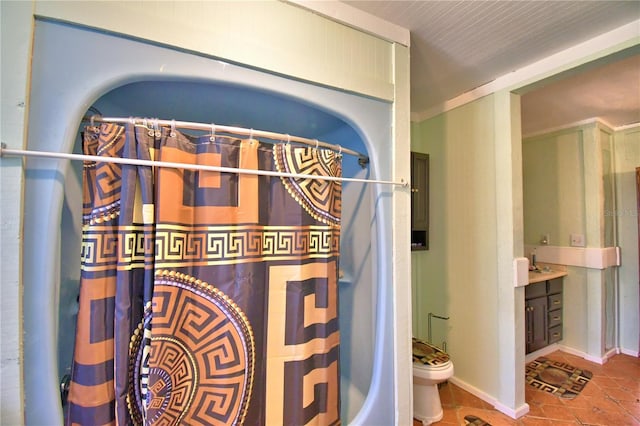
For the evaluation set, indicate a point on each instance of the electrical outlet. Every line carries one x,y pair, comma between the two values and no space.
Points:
577,240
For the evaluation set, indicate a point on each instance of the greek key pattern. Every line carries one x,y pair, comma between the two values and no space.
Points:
193,245
321,199
558,378
201,369
102,182
303,345
128,247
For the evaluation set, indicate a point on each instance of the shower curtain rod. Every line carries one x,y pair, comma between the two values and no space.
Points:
363,159
132,161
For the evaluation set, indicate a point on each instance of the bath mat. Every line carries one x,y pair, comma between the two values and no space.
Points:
558,378
475,421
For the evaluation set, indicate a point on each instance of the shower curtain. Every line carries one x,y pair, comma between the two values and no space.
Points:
206,297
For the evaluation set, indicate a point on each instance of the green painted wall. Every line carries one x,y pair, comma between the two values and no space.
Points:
627,158
427,267
458,275
464,275
554,204
553,186
582,180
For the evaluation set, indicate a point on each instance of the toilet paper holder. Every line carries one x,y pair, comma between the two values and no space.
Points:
432,315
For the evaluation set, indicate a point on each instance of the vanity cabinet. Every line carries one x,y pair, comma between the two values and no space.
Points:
419,201
543,314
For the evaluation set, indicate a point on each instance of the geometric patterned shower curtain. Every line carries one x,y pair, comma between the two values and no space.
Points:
206,297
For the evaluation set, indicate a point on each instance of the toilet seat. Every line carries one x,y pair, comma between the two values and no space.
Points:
426,355
419,366
427,374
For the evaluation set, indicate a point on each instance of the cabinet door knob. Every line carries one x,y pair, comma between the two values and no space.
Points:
414,189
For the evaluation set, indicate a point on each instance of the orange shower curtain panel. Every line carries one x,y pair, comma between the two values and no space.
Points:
206,298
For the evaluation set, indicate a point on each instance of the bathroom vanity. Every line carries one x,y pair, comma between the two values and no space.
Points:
543,309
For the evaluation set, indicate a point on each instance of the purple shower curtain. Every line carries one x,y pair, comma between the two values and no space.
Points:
206,297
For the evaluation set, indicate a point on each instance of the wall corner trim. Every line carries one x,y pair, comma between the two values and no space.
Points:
513,413
520,272
356,18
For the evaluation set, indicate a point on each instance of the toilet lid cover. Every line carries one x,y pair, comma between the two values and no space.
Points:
425,353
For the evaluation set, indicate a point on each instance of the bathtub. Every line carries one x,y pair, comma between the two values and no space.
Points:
76,68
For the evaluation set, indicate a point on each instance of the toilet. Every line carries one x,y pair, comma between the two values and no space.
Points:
431,366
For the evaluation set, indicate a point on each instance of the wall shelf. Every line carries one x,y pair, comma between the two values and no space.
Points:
419,201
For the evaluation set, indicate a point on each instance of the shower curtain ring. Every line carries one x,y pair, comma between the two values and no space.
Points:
340,150
251,133
288,139
156,125
316,141
146,124
173,128
212,138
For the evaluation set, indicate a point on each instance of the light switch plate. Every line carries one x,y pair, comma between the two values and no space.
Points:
577,240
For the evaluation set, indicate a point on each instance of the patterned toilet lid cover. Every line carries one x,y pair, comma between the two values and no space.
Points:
425,353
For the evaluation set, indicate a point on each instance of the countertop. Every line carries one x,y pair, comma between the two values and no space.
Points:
536,277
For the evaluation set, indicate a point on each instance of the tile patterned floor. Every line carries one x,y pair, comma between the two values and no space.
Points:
611,398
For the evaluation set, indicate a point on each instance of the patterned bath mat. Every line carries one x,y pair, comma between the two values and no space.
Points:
475,421
558,378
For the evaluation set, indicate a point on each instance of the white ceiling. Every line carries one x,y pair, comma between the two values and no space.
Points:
457,46
610,92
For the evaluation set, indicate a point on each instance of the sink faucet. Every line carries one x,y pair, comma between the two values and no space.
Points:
533,261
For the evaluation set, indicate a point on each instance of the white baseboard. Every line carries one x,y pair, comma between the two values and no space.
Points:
598,360
542,352
524,408
630,352
514,414
610,353
575,352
